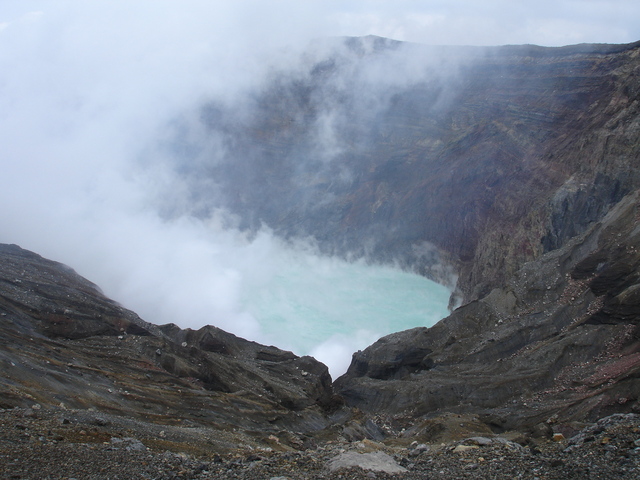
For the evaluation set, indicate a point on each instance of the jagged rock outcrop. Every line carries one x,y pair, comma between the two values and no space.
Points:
64,342
561,339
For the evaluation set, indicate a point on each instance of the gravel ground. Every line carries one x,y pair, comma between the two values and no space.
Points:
53,444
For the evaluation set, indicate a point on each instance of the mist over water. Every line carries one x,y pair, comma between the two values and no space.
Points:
329,308
87,96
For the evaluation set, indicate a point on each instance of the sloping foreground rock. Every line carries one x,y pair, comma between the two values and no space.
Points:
76,447
559,342
63,343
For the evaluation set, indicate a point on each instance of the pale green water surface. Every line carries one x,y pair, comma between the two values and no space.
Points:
330,308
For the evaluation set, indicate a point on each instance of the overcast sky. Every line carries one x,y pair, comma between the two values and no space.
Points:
475,22
493,22
88,87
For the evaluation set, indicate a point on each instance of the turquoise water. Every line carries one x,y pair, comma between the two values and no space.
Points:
330,308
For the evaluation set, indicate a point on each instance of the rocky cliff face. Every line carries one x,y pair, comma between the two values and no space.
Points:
515,168
476,159
560,340
498,163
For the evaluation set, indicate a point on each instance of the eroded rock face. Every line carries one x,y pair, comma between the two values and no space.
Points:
561,338
51,299
476,159
63,342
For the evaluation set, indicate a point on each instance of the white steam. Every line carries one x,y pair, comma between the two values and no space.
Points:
85,91
88,94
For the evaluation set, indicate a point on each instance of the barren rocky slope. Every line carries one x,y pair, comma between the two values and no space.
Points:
560,340
551,324
65,344
475,159
97,447
517,167
103,394
89,390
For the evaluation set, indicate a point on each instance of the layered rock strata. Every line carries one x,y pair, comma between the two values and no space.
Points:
561,340
449,160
